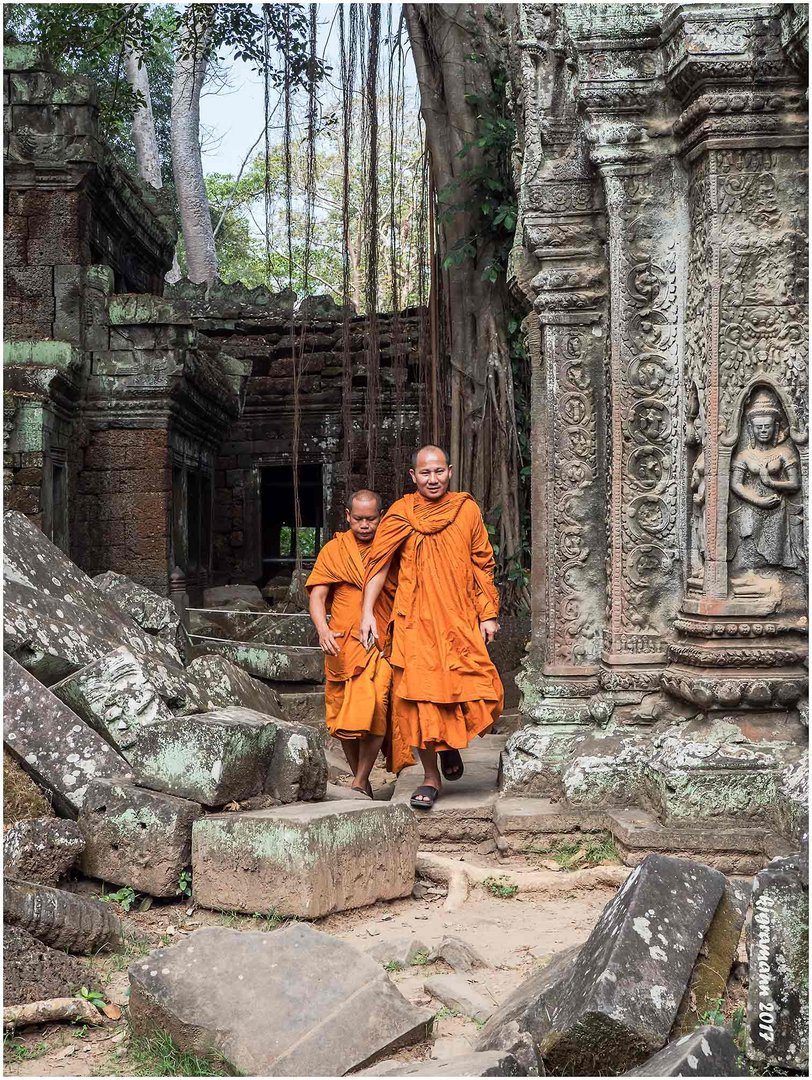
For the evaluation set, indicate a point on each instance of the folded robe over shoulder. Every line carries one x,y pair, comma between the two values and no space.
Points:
445,589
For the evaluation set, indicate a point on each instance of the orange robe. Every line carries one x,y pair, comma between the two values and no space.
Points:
357,682
446,689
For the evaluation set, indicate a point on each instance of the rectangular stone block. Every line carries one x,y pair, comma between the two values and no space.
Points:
304,860
115,696
211,758
59,750
136,837
297,1002
778,994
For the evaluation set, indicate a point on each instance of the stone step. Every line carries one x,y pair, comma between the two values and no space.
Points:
464,812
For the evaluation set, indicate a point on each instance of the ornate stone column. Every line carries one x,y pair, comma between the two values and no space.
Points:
560,271
628,109
742,624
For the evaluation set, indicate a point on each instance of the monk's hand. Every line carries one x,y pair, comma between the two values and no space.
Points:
368,631
489,628
328,641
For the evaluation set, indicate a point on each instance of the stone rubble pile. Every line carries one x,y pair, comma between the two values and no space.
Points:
145,751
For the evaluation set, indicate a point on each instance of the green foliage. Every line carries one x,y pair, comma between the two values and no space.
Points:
598,849
392,965
157,1055
500,886
93,996
125,897
16,1051
420,959
185,883
714,1014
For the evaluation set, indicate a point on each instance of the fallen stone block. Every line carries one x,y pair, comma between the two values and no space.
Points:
33,971
305,706
616,1002
706,1051
305,860
277,663
778,994
41,850
457,994
115,695
280,629
297,1002
50,638
450,1046
155,614
35,568
210,758
708,982
484,1063
227,684
619,1000
298,769
136,837
459,955
59,750
61,919
399,952
220,595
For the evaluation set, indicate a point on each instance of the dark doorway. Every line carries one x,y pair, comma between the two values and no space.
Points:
280,537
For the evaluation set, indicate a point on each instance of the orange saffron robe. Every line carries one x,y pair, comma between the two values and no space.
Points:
446,689
358,682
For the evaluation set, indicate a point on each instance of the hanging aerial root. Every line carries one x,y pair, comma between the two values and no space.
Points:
462,877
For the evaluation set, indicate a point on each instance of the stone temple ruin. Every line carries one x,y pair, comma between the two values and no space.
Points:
173,718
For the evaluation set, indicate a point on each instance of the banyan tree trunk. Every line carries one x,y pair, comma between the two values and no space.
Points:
483,447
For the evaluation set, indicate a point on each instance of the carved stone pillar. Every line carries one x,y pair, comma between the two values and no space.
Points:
627,108
561,273
742,624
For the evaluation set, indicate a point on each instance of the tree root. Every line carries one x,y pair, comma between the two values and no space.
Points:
461,877
69,1010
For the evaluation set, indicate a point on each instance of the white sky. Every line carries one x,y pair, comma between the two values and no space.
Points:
234,117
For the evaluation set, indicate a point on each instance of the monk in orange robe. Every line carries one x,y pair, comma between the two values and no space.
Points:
445,688
358,680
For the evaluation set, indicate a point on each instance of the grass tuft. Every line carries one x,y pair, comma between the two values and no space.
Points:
573,856
15,1050
157,1055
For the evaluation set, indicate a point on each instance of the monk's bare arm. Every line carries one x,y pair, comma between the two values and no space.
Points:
318,613
372,590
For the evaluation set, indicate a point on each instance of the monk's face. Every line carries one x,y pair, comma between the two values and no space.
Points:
431,474
363,518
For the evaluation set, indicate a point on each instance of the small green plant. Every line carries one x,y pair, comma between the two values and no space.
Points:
713,1014
269,920
738,1024
500,886
443,1012
185,883
93,996
126,897
157,1055
420,959
16,1051
393,965
81,1032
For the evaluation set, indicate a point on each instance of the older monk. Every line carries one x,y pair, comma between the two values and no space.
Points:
358,681
446,689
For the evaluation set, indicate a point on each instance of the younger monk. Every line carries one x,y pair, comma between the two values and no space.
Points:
446,689
357,681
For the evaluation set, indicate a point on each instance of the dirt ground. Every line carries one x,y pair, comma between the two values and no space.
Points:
516,935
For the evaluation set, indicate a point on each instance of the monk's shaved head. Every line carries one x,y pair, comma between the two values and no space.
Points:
365,495
427,449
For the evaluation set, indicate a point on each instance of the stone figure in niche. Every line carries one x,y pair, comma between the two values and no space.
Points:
766,528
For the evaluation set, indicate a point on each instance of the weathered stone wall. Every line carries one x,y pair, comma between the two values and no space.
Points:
259,337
